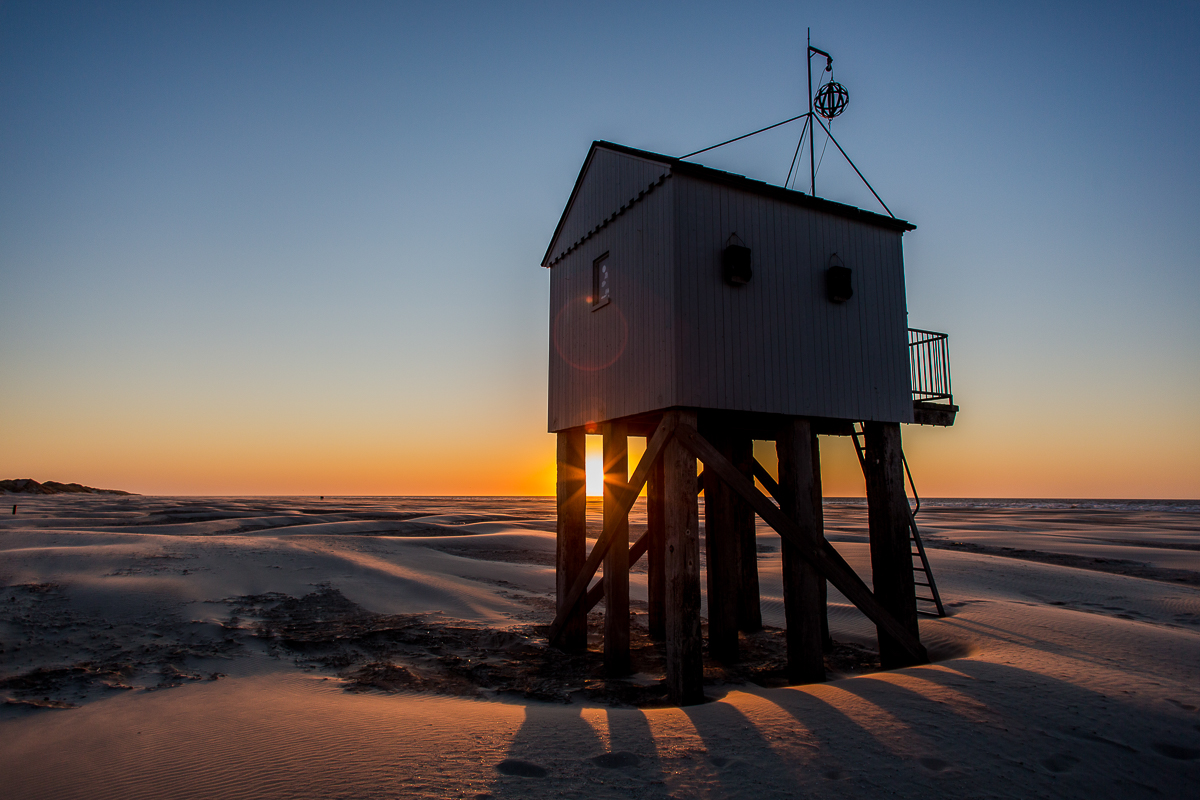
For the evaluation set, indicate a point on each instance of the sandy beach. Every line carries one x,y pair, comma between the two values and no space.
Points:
391,647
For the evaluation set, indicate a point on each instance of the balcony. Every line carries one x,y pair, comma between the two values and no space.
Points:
929,376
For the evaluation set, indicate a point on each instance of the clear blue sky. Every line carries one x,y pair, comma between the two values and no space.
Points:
293,248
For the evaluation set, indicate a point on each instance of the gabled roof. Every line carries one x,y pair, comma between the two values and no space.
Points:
677,166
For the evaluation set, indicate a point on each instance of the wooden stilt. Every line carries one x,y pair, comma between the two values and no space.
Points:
616,560
685,666
818,498
801,582
724,555
887,518
656,589
571,549
749,605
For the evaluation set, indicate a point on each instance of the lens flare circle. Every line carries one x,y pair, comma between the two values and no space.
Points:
595,353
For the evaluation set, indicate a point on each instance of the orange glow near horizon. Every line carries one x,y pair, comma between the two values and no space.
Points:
151,454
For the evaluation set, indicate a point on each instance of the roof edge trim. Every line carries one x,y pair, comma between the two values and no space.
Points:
628,204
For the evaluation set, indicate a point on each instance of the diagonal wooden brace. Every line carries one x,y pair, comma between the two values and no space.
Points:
824,558
628,495
766,480
596,593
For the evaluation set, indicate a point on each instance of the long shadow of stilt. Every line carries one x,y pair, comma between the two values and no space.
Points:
955,726
737,755
853,748
557,753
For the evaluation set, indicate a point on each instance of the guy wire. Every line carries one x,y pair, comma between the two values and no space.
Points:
795,155
746,135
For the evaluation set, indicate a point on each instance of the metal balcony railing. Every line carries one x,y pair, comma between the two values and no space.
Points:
929,365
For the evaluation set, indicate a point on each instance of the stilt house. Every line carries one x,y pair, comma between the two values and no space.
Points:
705,310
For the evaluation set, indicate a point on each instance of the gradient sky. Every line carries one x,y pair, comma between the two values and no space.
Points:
288,248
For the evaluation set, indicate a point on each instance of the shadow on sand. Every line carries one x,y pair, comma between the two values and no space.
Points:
961,728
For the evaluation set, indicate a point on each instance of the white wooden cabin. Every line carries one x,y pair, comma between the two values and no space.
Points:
642,317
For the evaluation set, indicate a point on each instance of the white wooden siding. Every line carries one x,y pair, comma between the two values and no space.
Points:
617,360
777,344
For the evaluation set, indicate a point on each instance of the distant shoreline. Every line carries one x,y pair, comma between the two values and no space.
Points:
30,486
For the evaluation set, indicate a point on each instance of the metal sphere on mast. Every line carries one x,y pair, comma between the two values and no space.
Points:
831,100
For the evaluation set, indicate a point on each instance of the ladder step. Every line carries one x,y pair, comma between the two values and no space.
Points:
927,599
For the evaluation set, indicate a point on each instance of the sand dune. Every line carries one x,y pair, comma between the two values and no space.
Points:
291,647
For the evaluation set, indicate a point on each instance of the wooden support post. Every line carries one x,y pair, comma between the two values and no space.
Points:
801,582
818,505
887,519
571,548
616,560
685,665
656,582
724,555
749,604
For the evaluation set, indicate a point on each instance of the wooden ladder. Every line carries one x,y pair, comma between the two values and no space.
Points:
921,566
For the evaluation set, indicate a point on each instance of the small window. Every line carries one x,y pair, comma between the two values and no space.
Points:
735,261
839,286
735,265
601,282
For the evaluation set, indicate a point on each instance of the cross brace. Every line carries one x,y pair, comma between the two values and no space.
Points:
824,558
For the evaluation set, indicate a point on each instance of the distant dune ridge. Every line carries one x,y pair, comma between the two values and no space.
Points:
30,486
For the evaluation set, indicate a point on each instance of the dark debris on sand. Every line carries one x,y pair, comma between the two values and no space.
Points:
55,656
425,653
44,637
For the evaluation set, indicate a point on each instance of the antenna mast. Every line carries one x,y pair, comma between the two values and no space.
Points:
812,164
812,169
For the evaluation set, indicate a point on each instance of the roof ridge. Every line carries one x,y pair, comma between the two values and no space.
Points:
699,171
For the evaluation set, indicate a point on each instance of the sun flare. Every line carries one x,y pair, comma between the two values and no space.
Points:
595,467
